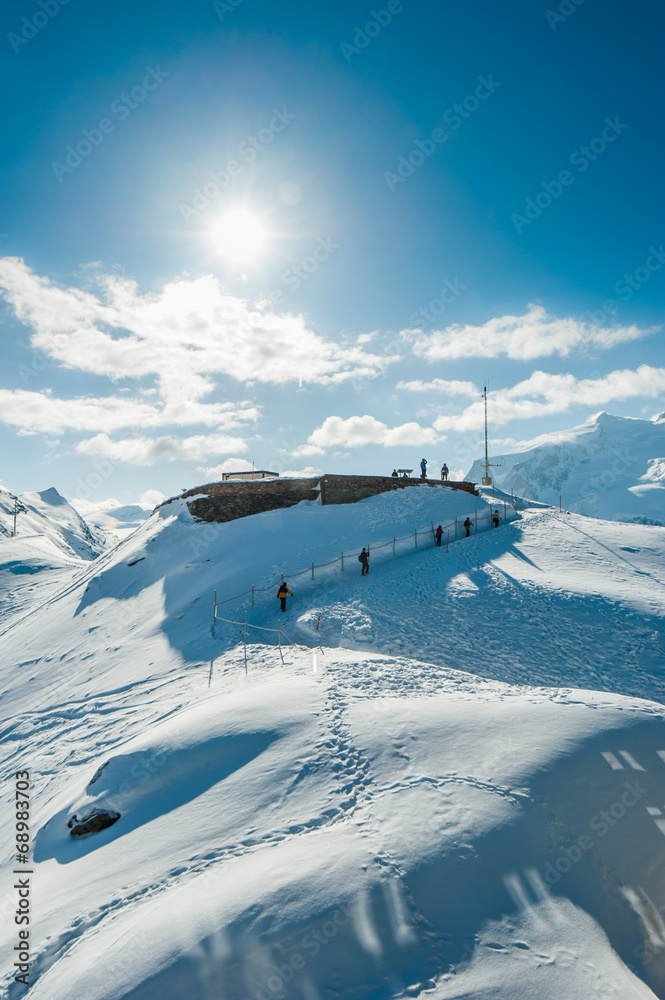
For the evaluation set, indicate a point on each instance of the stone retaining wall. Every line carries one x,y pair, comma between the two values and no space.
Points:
350,489
232,499
229,500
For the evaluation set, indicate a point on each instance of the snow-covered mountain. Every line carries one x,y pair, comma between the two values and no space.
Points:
459,794
48,517
610,467
116,520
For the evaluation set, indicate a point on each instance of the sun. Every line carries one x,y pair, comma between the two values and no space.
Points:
239,235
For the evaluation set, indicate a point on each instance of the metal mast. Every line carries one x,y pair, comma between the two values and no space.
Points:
487,479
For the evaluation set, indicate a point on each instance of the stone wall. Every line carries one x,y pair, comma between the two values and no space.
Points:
350,489
229,500
232,499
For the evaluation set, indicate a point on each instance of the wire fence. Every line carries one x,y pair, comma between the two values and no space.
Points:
279,630
420,538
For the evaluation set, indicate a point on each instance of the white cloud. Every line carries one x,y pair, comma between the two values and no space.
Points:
308,449
355,432
183,335
86,508
543,394
451,388
147,451
523,338
151,498
40,412
90,508
305,473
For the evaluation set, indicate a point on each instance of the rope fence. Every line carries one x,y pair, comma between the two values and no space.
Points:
419,538
280,633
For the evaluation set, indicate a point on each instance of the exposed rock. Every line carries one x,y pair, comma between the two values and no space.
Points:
98,819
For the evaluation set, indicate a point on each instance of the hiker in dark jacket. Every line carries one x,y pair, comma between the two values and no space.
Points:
364,559
468,524
444,472
496,520
394,474
282,593
439,535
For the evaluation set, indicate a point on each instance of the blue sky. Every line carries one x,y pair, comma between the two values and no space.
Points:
449,195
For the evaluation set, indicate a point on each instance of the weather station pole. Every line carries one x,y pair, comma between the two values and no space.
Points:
487,479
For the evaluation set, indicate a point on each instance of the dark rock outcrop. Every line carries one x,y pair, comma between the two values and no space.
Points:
98,819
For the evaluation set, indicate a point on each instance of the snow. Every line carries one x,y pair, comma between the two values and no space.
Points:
51,540
610,467
460,793
48,515
116,520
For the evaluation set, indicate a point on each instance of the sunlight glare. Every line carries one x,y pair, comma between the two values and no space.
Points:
239,235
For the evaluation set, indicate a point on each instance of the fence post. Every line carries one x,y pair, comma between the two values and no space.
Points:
279,639
342,562
245,641
475,517
505,509
393,545
312,571
252,595
447,539
214,614
415,535
455,527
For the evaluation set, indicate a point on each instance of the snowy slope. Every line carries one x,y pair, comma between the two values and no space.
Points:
610,467
49,516
432,803
52,542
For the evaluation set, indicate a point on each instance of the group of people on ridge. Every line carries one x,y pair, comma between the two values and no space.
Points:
423,471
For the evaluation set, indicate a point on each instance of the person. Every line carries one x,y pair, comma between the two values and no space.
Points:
439,535
394,474
282,593
444,472
423,468
364,559
468,524
496,519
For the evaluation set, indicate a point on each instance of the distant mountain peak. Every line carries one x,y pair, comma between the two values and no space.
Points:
610,467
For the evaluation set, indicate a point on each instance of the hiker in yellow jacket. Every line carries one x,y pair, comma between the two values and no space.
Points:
282,593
